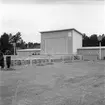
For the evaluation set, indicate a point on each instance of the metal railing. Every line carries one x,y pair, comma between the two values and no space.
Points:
44,60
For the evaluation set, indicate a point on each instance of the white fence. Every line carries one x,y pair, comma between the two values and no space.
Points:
44,60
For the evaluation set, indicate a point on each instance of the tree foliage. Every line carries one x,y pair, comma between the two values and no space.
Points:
7,41
92,41
4,43
15,38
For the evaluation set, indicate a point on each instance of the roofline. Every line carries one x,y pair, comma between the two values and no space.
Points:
62,30
22,50
92,48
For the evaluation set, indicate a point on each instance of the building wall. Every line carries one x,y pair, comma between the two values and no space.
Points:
70,42
54,42
77,41
91,52
28,53
24,53
61,42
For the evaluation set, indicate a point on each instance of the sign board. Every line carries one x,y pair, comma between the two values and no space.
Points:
69,34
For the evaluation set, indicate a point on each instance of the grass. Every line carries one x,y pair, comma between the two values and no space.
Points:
78,83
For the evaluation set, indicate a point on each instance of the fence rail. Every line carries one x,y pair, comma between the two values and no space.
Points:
50,59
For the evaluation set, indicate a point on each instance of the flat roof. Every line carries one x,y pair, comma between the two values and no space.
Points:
61,30
86,48
20,50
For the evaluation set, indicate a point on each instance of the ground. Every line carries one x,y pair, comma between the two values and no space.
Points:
78,83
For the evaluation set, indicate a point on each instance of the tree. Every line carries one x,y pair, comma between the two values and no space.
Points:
15,39
85,40
30,45
4,43
103,40
22,45
36,45
0,43
7,41
94,40
33,45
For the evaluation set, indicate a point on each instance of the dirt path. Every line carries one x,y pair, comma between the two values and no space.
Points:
80,83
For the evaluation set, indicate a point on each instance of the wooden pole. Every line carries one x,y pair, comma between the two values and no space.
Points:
100,50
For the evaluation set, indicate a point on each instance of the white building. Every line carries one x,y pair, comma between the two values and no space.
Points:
28,52
92,51
65,41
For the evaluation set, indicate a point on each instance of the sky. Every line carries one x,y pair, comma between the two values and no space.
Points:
30,17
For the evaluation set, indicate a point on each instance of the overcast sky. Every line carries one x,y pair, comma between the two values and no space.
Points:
32,16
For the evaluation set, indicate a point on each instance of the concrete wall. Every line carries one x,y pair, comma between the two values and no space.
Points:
54,43
77,41
94,51
27,53
70,42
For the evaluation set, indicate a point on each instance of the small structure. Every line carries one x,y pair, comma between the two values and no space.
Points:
8,58
65,41
87,51
28,52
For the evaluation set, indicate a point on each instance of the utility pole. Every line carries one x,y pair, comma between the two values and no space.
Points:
14,45
100,39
